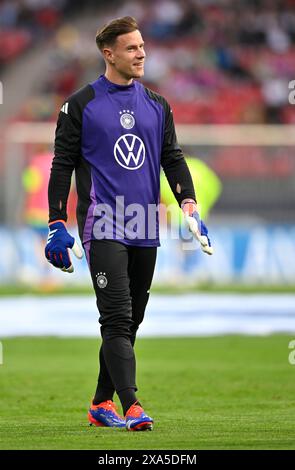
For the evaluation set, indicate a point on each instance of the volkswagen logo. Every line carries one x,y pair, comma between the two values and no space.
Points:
129,152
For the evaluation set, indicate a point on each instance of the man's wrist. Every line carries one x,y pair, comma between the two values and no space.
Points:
189,206
55,221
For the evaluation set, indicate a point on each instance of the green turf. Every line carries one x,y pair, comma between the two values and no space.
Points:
23,289
204,393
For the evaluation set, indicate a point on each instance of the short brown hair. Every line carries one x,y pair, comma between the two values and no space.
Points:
107,35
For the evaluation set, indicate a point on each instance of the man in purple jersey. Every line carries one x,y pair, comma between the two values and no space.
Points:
116,134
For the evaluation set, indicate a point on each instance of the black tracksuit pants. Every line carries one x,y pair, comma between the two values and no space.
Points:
121,277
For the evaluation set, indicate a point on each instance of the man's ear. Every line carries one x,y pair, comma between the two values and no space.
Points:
108,55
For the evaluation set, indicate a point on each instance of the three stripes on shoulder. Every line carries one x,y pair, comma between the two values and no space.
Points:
64,108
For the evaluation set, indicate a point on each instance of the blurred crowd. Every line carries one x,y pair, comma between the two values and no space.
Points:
22,22
216,61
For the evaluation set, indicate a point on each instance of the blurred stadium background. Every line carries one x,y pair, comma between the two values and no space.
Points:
225,66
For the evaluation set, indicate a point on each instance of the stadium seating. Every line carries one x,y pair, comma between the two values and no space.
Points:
216,62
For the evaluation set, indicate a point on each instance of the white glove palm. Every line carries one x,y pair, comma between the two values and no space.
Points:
196,225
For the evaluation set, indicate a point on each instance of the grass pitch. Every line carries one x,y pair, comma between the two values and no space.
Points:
227,392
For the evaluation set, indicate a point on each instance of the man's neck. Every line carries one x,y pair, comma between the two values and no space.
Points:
117,79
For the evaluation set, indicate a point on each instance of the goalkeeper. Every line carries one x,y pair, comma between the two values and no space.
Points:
115,134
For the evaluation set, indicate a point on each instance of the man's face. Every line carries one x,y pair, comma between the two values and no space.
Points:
127,55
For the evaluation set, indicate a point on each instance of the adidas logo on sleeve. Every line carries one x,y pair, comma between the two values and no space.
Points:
64,108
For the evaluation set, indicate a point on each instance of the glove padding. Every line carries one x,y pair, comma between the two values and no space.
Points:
197,226
57,248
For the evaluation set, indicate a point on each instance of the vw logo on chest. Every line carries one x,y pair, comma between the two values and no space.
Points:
129,151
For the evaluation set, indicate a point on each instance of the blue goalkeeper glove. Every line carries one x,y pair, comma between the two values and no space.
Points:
196,225
57,248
